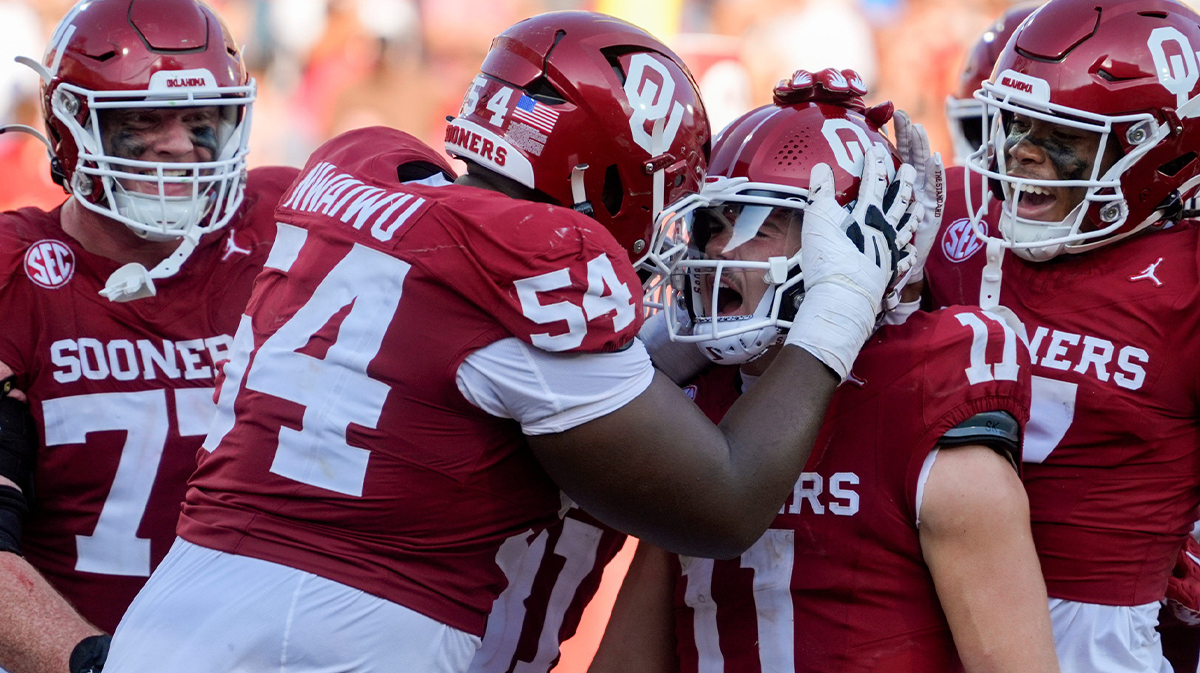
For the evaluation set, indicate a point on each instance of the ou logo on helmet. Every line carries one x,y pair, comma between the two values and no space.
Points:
849,142
1177,72
49,264
652,102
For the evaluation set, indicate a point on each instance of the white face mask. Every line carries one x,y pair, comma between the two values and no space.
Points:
710,297
157,200
162,200
1038,240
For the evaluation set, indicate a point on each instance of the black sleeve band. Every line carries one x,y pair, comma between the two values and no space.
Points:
997,430
18,443
90,654
13,508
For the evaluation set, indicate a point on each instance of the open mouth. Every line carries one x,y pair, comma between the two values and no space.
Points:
729,300
1035,203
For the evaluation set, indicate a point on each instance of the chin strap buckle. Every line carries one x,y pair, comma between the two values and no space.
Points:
133,281
128,283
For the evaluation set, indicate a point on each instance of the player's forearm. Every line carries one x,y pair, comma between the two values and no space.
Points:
38,628
5,372
1006,627
659,470
770,432
640,636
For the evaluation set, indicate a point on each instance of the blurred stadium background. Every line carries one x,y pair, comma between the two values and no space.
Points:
328,66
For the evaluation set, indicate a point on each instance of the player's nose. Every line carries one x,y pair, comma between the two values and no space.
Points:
1025,152
174,141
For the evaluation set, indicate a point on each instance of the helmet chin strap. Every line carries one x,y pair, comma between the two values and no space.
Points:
989,289
134,281
29,130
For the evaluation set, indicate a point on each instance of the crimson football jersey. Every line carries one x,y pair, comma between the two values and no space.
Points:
342,444
122,392
838,582
1111,461
551,579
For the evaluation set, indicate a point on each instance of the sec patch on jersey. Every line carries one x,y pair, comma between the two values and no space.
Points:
49,264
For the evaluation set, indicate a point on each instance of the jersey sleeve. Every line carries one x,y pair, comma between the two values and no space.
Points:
16,335
555,279
552,392
974,367
976,364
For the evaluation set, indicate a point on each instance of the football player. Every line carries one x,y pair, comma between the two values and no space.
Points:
905,546
1090,152
551,585
116,305
424,364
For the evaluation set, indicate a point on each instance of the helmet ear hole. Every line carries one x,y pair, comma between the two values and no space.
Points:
542,90
613,55
1174,166
613,194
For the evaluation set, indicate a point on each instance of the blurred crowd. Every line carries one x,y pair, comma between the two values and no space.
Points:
328,66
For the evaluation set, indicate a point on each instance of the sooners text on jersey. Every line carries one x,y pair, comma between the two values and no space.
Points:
838,583
342,445
122,393
1111,469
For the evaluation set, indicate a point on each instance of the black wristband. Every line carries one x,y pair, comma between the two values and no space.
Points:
18,443
89,655
13,508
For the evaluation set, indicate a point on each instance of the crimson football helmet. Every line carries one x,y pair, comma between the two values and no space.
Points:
591,111
760,169
964,114
1126,70
126,54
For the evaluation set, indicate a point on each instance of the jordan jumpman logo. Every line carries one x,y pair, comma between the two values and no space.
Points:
1148,274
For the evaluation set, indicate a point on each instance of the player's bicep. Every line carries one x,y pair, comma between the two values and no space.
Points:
975,537
639,469
640,636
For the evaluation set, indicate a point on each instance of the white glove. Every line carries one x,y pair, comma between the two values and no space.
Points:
681,362
849,259
912,142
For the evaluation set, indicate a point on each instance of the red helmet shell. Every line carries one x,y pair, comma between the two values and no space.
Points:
1112,58
780,143
569,89
982,57
120,45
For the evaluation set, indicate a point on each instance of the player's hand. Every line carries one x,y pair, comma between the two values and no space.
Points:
850,259
1183,586
929,183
